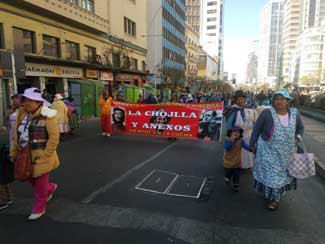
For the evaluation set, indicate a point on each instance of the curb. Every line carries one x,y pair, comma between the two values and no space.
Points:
320,168
314,114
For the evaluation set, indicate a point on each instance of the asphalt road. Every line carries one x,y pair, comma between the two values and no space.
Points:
97,202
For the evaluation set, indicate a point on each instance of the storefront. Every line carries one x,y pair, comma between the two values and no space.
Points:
50,77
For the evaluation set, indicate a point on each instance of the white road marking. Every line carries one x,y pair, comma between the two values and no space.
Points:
109,185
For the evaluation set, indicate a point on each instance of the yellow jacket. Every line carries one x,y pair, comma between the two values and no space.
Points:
62,110
44,160
105,106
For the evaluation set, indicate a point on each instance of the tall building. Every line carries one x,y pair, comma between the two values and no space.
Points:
192,46
193,8
313,14
251,71
309,60
270,43
211,30
291,31
166,40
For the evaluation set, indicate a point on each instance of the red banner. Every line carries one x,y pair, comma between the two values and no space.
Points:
174,120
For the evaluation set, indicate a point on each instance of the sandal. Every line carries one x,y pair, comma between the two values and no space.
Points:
273,206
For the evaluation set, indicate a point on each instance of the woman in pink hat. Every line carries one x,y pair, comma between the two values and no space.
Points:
37,128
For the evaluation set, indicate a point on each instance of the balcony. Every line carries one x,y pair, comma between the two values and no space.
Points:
69,11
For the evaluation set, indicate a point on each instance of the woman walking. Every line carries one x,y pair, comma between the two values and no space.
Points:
274,139
244,118
62,114
37,127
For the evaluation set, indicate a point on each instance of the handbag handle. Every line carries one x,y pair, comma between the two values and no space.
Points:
303,144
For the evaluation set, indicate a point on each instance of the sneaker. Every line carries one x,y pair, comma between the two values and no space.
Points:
104,134
36,216
10,202
108,134
51,195
3,206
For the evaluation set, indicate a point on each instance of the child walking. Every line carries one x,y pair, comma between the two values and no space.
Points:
232,156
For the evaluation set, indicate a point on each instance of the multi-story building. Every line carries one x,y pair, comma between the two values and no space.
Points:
313,14
211,30
192,47
166,40
207,66
270,43
310,57
193,10
128,30
70,47
251,70
290,34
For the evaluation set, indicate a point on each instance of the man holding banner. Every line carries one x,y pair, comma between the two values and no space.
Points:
105,113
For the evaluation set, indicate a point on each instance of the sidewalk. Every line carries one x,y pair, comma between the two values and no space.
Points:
314,138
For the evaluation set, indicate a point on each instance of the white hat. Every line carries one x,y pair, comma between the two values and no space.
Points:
58,96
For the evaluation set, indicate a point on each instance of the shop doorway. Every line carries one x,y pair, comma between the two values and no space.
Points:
5,100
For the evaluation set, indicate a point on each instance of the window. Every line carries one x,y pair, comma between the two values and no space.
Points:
51,46
116,60
211,27
24,40
212,19
212,3
134,64
2,43
88,5
143,66
211,34
73,50
130,27
212,11
126,62
90,54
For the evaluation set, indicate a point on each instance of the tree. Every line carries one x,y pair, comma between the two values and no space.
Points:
310,80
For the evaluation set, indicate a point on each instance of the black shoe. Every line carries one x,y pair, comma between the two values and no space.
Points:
3,206
235,188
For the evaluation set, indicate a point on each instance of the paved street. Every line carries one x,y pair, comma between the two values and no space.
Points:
97,202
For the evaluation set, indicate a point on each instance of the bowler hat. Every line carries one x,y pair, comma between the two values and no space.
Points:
239,93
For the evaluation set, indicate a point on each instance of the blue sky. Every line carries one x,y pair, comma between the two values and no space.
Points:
241,26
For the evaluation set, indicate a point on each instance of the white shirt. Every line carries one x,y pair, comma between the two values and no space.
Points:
284,119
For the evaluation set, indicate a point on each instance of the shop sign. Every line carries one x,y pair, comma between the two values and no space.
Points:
123,77
106,76
91,73
52,71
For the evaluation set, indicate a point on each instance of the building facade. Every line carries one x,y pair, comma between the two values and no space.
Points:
68,47
251,70
192,47
313,13
270,43
291,24
211,30
166,41
193,14
310,57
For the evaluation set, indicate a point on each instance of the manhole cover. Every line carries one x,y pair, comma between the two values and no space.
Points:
157,181
187,186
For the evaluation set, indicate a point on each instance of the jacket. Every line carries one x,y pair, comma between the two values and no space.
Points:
45,134
105,106
264,126
233,154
